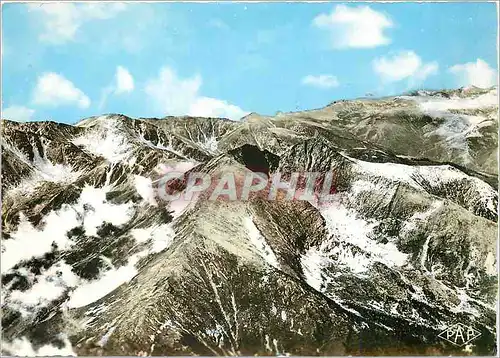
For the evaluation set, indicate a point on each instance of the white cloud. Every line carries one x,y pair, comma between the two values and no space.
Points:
176,96
18,113
22,347
359,27
50,285
321,81
61,21
173,95
427,70
478,74
53,89
213,107
122,83
404,65
124,80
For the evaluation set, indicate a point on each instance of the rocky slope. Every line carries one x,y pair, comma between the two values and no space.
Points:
94,262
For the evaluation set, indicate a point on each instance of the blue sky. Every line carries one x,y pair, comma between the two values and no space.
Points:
68,61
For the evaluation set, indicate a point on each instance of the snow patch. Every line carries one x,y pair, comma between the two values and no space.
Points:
47,171
90,212
106,139
43,170
28,242
144,187
361,186
210,144
356,262
101,211
430,104
490,264
390,171
313,264
162,146
91,291
283,315
456,128
179,206
104,339
434,175
446,174
50,285
22,347
178,167
344,224
159,238
420,217
260,243
465,303
349,246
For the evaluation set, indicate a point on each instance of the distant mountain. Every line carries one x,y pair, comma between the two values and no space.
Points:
94,262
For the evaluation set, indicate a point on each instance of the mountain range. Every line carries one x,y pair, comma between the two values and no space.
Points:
95,262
